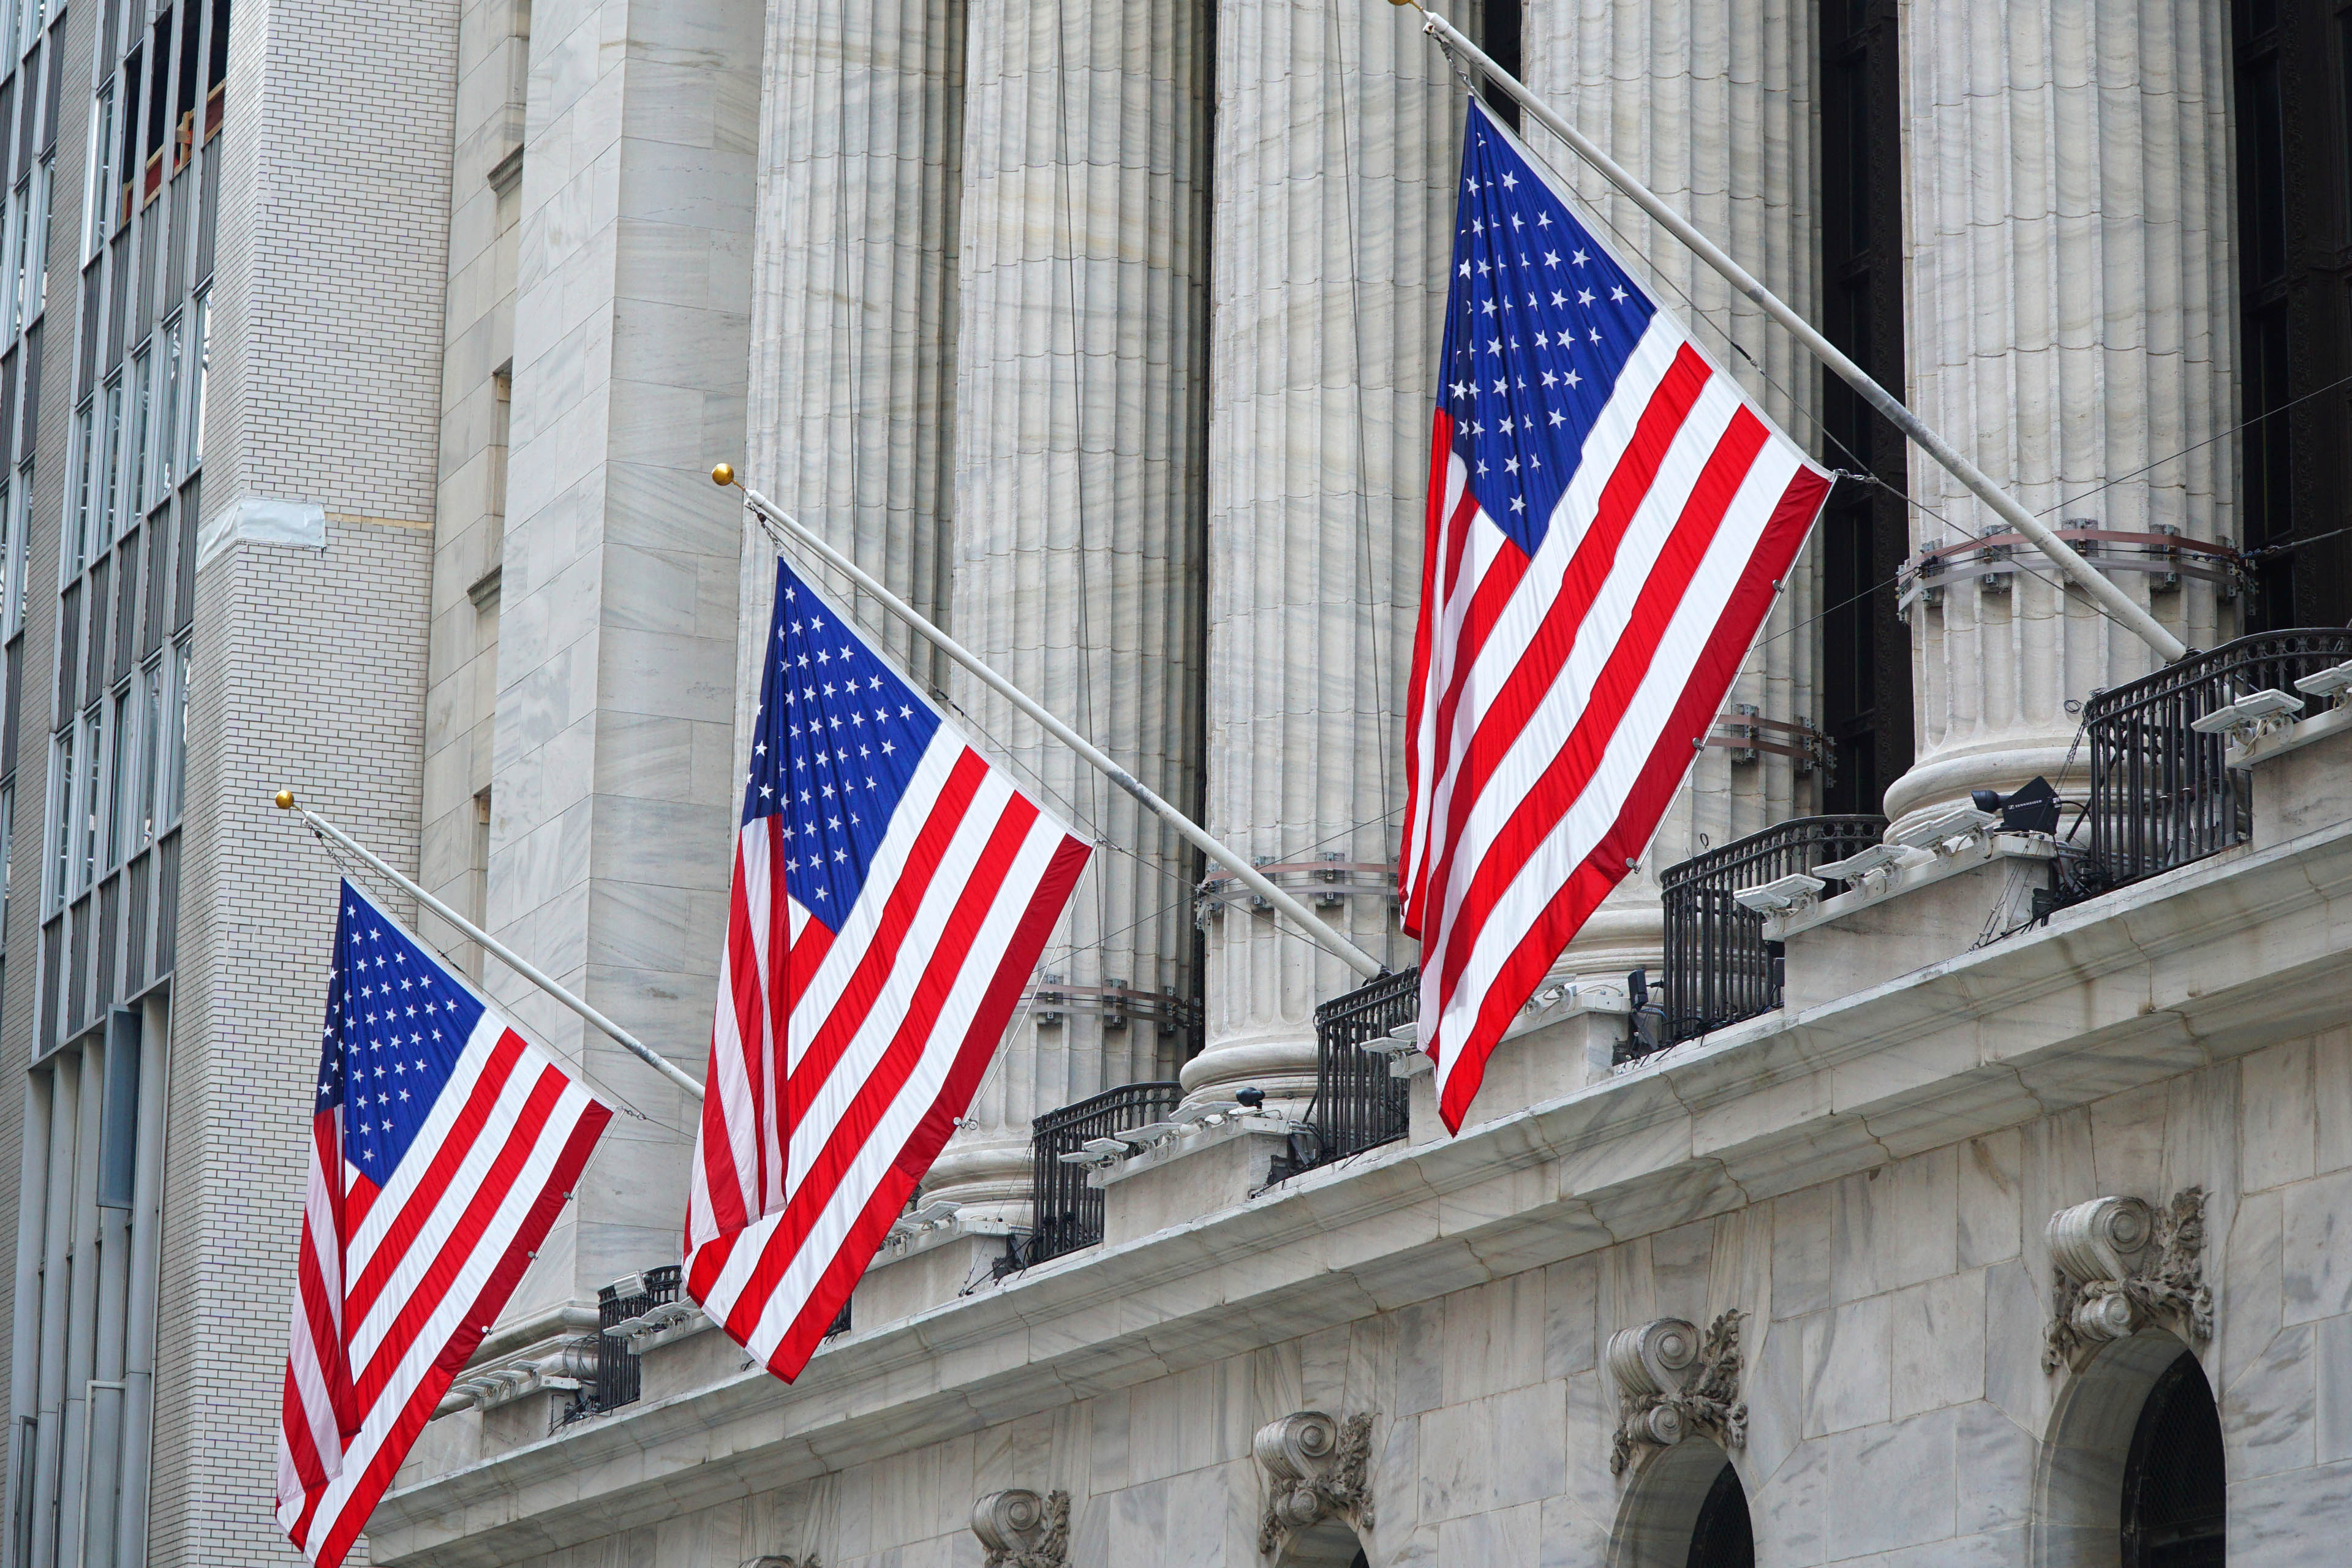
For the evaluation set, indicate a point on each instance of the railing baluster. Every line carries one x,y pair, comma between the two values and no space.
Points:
2163,796
1069,1213
1718,968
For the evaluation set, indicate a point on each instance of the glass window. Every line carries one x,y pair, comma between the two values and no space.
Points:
62,783
91,807
81,495
110,472
13,502
12,226
134,449
20,251
151,726
97,201
200,348
119,771
175,758
167,412
44,190
35,15
7,843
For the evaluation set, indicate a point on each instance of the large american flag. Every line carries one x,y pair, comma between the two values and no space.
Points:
892,891
1609,520
442,1147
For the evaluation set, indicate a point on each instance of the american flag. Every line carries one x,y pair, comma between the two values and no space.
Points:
442,1146
892,891
1609,520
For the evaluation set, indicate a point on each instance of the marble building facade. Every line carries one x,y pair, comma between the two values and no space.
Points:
1102,331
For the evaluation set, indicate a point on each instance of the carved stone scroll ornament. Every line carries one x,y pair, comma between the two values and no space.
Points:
2118,1266
1316,1468
779,1561
1670,1383
1022,1529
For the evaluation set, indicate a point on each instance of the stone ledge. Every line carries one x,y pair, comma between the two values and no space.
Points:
2203,962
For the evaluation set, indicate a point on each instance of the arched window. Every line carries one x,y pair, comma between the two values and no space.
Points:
1686,1508
1721,1537
2174,1502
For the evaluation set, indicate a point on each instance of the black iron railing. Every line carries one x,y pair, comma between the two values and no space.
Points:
617,1363
2161,793
1358,1104
1719,969
1069,1212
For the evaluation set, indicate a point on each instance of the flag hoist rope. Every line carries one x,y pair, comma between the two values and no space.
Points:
1256,882
492,945
2109,597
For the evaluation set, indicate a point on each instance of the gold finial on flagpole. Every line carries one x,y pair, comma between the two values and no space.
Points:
724,474
285,800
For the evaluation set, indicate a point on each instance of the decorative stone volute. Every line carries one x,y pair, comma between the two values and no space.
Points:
1316,1468
2118,1266
1670,1384
1022,1529
776,1560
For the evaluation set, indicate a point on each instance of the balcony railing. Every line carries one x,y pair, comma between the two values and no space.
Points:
1719,969
617,1363
1069,1212
2162,795
1358,1104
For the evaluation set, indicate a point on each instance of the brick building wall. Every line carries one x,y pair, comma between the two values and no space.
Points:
310,669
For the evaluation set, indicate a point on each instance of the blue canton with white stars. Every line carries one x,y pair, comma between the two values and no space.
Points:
396,1023
1539,323
838,737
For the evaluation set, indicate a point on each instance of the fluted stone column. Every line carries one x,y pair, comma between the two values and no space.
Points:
2070,322
1079,429
852,328
1710,103
1337,144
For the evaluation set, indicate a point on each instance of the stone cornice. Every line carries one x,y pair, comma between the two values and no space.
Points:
2203,962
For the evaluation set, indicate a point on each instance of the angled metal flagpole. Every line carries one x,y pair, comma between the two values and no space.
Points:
1256,882
2109,597
492,945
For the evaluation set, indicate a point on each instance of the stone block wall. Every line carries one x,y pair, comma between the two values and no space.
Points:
1896,1402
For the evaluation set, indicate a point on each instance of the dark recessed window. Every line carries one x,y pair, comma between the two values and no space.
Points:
2174,1500
1721,1538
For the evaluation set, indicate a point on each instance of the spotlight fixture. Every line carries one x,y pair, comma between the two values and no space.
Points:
2032,809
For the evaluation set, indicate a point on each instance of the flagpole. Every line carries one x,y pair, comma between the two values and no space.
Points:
2109,596
1256,882
493,946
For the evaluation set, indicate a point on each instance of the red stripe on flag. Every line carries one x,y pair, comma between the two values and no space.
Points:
1588,570
1504,855
384,1462
1438,541
433,1186
889,1073
931,1135
848,1016
481,1207
746,984
1488,599
1653,790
